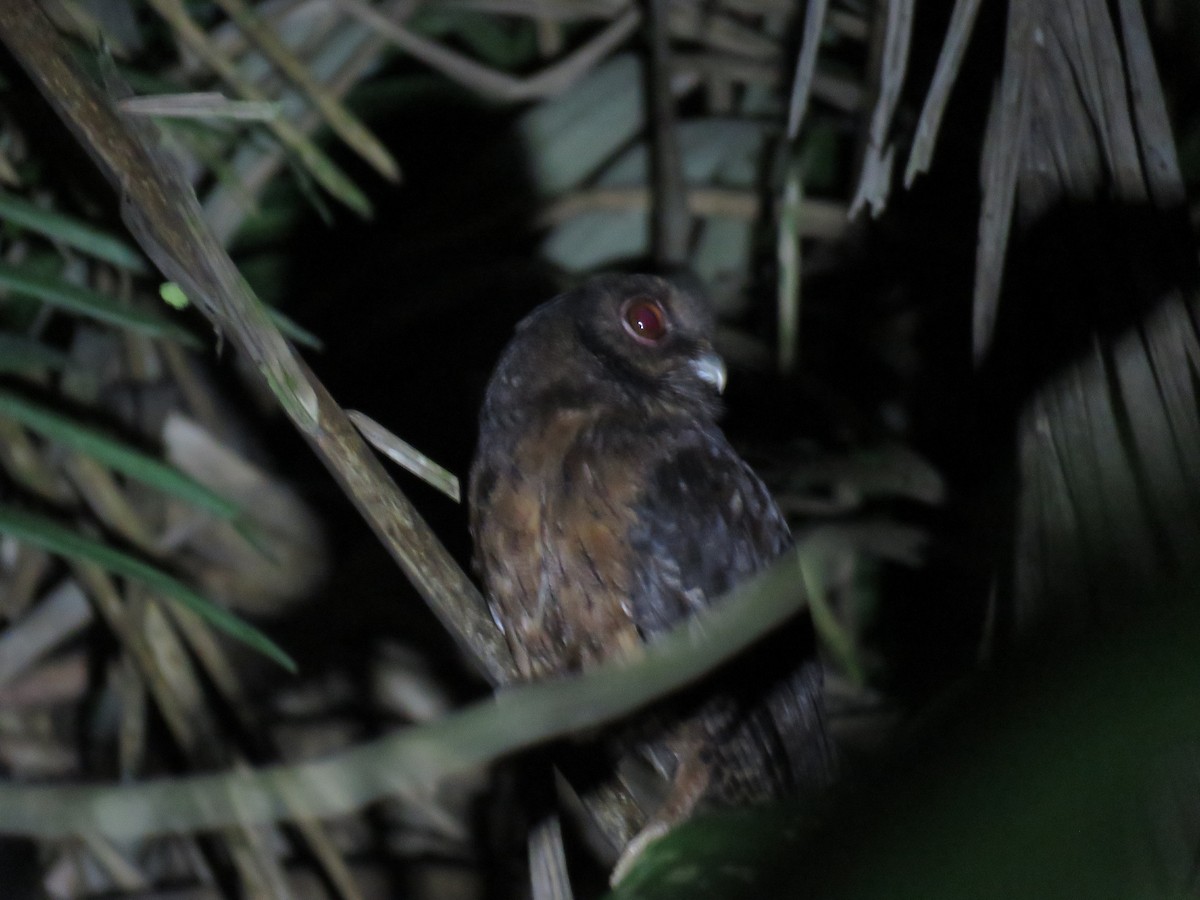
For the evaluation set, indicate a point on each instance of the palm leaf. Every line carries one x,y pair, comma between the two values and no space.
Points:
42,532
23,282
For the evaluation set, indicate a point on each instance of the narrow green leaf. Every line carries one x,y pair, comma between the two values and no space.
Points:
297,333
115,454
173,295
839,641
92,304
20,354
70,231
49,535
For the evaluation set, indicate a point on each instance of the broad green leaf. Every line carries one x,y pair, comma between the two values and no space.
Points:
57,292
571,136
733,853
49,535
114,454
70,231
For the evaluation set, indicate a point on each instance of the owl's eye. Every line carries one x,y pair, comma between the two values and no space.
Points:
644,320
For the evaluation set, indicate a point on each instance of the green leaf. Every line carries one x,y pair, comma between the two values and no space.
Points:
733,853
20,354
508,46
290,329
49,535
173,295
70,231
115,454
57,292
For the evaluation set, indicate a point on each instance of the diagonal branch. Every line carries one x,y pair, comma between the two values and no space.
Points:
162,212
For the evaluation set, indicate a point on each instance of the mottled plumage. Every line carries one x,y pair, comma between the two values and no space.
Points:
607,505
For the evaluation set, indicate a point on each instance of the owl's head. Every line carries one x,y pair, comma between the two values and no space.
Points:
633,340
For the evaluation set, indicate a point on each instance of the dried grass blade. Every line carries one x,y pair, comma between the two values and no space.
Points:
215,662
1160,165
201,105
99,489
1006,134
318,164
876,179
806,66
60,615
405,454
228,204
179,695
958,35
48,535
344,123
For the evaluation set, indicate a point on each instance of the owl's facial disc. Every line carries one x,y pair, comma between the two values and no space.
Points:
710,368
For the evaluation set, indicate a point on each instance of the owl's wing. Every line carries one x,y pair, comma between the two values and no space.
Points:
705,522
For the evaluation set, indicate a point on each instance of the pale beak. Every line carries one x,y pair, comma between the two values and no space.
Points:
710,369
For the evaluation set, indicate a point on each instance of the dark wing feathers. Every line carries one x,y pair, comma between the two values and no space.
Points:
705,522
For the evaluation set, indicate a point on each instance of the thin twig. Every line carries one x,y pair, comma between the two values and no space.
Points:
818,218
697,22
550,10
671,223
490,82
207,105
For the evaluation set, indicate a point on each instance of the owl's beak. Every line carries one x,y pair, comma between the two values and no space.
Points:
710,369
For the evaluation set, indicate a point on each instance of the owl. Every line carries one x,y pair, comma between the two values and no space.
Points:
607,506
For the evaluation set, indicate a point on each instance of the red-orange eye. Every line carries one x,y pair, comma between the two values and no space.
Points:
644,320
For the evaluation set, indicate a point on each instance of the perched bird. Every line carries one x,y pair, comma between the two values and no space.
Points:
607,506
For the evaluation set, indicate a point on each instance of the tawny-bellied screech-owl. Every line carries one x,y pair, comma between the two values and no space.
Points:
607,505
